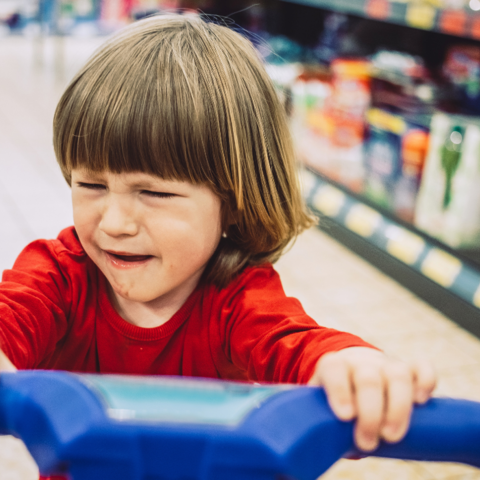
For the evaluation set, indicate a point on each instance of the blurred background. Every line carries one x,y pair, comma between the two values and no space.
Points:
383,99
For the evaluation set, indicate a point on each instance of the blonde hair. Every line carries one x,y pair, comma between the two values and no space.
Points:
185,99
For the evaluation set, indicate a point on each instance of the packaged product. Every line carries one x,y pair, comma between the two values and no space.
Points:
345,113
413,151
462,69
329,46
328,119
395,151
284,76
448,205
310,92
402,83
335,121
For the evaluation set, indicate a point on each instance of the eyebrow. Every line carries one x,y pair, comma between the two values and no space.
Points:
144,185
139,184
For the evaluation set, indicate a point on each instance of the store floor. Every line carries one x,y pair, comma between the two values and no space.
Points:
337,288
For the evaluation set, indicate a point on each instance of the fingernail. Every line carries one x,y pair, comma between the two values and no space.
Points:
367,444
345,412
421,397
390,432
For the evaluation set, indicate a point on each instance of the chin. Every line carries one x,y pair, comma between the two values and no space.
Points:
132,294
137,297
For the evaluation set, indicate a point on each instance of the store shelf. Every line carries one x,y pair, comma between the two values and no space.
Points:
459,22
415,251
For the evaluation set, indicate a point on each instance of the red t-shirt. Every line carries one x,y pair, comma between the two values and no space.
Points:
55,313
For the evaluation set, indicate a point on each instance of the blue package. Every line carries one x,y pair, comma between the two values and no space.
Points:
167,428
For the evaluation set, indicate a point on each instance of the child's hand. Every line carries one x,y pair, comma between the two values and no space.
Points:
380,392
5,364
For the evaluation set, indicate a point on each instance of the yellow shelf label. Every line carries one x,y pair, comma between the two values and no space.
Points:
441,267
403,244
476,298
363,220
421,15
329,200
386,121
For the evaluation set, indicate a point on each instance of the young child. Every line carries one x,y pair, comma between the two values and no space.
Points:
184,193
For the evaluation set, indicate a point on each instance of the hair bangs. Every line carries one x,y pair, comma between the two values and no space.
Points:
155,121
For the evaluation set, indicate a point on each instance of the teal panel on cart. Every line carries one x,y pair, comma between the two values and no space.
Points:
171,400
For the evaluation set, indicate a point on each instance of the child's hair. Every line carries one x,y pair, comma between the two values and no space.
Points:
185,99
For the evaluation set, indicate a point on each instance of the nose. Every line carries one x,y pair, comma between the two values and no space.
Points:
118,217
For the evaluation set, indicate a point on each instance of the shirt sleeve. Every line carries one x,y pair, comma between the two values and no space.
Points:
269,334
34,299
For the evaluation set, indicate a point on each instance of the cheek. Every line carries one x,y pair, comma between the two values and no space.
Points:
207,225
84,220
189,240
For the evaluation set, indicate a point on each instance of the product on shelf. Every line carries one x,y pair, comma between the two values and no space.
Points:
413,153
309,93
394,156
283,77
346,111
462,70
365,123
334,120
448,205
402,82
330,42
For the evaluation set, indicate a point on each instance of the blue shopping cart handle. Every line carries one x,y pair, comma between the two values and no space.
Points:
168,428
444,429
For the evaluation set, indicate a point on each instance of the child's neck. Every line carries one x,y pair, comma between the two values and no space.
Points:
150,314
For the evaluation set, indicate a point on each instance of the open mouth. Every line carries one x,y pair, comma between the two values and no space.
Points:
130,258
126,259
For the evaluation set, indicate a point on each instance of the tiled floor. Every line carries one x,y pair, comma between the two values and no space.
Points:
337,288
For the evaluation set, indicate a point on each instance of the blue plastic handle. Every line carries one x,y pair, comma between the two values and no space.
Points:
444,429
293,432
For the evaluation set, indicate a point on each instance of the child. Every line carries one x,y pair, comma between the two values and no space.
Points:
184,192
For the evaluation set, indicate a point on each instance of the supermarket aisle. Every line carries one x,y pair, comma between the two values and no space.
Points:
34,198
336,287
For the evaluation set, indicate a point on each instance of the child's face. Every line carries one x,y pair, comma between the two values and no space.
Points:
151,238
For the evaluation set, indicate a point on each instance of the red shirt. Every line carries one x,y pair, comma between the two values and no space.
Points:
55,313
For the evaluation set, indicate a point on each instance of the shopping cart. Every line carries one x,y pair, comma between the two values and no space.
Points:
100,427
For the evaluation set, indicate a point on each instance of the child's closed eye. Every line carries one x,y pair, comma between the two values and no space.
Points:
91,186
158,194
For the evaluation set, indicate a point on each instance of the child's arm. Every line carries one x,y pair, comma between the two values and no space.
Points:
270,337
364,383
35,296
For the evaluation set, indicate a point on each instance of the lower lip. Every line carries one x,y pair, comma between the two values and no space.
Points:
122,264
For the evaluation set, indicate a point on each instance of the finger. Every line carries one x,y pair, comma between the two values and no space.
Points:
370,404
336,379
399,400
5,364
425,381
